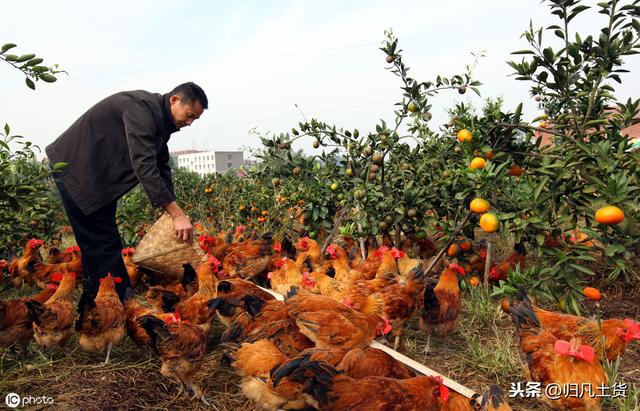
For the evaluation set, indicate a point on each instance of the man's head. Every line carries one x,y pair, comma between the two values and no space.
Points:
188,101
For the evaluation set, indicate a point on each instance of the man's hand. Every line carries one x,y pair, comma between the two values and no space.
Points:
183,227
181,222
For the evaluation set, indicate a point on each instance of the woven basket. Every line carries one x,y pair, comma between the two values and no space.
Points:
162,252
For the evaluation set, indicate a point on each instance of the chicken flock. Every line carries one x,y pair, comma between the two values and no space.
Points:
311,350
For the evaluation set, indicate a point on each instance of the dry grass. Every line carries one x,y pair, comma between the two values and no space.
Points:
482,351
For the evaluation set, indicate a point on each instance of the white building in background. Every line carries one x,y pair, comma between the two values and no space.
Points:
207,162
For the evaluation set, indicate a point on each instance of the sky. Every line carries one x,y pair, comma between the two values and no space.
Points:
266,65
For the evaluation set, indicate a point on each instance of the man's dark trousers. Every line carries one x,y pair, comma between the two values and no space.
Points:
99,241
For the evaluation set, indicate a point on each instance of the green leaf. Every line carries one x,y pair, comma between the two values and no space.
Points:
7,47
613,249
523,52
30,83
538,190
48,78
24,58
597,122
583,269
33,62
60,166
517,113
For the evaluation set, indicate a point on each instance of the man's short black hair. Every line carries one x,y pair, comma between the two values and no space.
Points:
191,92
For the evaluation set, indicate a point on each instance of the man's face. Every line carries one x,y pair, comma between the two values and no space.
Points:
184,113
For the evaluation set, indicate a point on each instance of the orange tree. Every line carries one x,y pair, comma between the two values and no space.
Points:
380,181
26,195
590,163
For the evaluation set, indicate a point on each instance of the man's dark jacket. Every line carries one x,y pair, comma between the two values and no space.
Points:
120,141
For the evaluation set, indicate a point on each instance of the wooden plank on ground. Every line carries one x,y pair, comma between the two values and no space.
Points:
421,368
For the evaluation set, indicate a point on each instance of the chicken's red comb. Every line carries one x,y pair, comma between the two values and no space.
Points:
281,262
397,253
387,327
303,242
34,242
633,330
206,239
459,269
52,286
172,318
214,262
443,390
57,277
115,279
306,281
332,248
75,248
68,250
493,273
584,352
381,250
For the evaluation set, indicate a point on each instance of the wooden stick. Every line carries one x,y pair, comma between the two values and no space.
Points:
421,368
336,225
435,260
487,264
361,240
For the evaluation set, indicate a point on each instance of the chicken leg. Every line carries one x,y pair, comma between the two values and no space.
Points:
197,392
106,361
426,347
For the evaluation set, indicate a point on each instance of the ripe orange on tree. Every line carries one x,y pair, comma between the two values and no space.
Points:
479,205
453,250
515,170
477,163
465,246
489,222
609,215
464,135
474,281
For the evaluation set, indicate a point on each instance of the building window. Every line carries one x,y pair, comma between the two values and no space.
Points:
229,156
229,165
